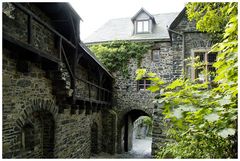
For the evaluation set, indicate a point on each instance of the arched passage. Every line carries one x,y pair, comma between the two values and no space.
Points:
126,128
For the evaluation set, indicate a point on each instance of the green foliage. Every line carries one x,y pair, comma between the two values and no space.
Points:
156,81
116,55
210,17
147,121
203,119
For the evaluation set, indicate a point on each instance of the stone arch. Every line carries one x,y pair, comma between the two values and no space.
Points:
38,122
147,111
37,105
125,126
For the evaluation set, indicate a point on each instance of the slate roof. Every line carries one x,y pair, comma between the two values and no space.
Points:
122,29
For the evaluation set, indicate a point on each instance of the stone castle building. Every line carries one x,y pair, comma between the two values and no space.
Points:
59,101
175,38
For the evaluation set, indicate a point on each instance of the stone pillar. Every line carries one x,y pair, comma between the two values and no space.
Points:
130,133
109,143
159,129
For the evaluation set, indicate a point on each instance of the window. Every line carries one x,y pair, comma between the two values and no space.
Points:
156,55
208,59
143,84
142,26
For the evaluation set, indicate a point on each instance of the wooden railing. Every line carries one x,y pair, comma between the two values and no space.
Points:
31,17
62,55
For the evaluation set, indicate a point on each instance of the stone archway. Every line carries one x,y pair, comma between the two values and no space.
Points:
38,123
125,128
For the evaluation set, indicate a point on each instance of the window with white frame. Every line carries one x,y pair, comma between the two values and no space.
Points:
143,26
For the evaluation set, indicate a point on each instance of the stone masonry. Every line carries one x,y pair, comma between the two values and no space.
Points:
38,121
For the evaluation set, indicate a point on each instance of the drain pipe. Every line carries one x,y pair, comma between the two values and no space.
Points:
183,46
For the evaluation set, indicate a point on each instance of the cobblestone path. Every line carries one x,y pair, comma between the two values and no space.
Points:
141,149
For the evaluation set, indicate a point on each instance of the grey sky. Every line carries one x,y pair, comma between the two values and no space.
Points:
97,12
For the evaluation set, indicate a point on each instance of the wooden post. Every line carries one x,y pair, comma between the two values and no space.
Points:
74,66
99,83
29,27
60,48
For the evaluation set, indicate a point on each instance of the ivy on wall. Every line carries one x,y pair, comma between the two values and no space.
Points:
115,55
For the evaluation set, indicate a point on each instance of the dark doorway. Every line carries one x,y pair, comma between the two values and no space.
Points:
38,136
94,138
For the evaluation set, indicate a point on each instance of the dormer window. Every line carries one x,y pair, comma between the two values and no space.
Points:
143,22
142,26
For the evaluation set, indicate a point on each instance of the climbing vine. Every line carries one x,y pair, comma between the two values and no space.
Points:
202,117
115,55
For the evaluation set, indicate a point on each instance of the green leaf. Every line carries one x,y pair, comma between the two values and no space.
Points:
176,83
226,132
150,74
158,101
184,108
225,100
212,117
153,88
140,73
177,113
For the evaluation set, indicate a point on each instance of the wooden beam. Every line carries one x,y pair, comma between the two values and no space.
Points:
26,47
30,29
97,86
60,48
74,30
80,55
74,66
79,100
68,65
43,23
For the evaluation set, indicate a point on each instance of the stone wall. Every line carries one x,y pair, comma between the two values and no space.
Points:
33,124
193,41
159,129
19,91
16,25
109,131
82,87
72,133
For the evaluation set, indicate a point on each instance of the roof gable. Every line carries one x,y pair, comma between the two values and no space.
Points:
178,19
